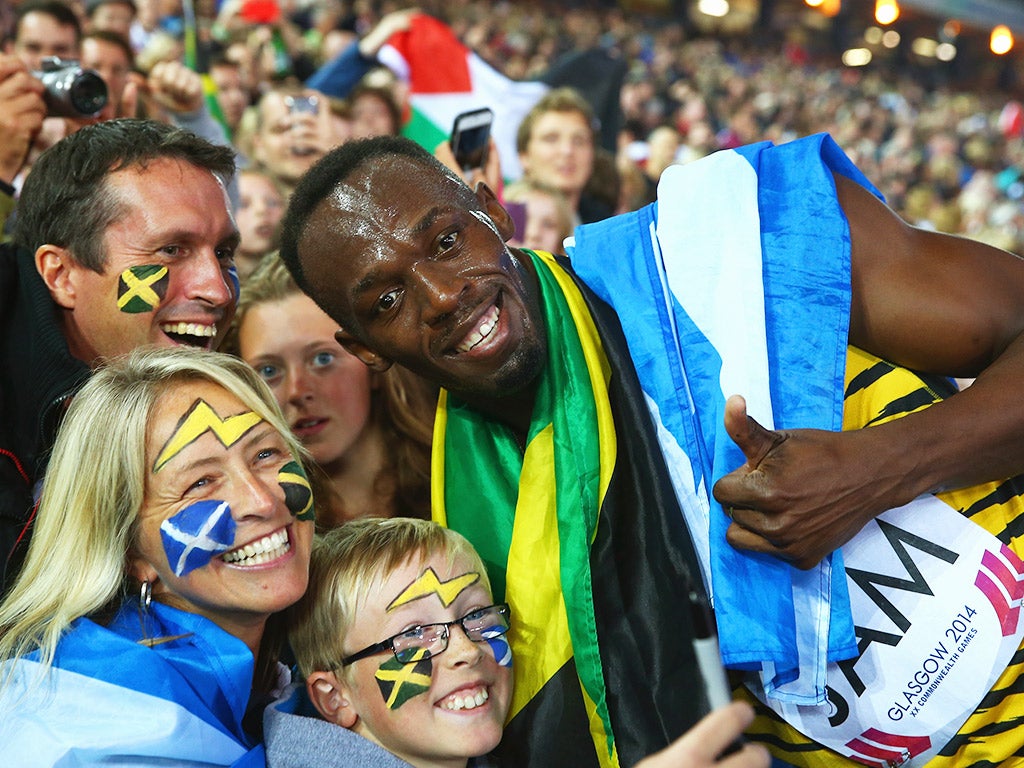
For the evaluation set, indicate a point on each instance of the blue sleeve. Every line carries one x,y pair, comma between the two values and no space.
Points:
339,76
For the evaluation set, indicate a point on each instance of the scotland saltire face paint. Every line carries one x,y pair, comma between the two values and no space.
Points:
428,584
400,682
199,419
298,496
499,645
141,288
196,534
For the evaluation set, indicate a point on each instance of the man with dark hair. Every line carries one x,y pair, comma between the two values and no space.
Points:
44,28
570,454
124,238
111,16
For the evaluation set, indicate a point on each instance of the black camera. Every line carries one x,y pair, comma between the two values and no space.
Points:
70,90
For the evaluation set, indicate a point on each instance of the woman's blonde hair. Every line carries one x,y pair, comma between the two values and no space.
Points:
85,528
347,566
402,406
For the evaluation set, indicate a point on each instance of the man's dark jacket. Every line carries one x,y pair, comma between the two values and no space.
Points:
38,376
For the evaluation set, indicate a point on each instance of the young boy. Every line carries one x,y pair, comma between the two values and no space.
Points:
400,644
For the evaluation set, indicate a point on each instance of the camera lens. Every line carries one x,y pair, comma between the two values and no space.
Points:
88,93
70,90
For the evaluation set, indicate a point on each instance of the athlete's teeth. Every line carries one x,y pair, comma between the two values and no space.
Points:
484,330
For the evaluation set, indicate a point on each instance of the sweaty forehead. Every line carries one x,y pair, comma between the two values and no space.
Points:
378,206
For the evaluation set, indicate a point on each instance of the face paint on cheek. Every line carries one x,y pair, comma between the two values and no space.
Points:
236,285
499,647
400,682
142,288
298,496
193,536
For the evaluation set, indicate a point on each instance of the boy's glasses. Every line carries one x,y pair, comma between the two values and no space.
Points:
428,640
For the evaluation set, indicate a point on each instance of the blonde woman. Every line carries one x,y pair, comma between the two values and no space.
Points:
174,525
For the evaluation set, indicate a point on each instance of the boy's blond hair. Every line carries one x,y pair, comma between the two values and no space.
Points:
348,564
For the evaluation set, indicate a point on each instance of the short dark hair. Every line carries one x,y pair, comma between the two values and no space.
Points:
62,12
91,6
330,171
114,38
66,200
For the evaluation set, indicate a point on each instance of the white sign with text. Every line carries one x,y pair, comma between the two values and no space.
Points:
936,608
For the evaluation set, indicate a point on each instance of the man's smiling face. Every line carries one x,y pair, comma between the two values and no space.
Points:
169,276
414,267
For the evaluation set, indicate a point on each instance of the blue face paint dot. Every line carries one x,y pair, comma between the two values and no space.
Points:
236,285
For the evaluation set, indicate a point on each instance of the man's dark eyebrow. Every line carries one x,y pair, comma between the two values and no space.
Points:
366,282
428,219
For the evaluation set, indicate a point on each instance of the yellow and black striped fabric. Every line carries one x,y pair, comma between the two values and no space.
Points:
877,392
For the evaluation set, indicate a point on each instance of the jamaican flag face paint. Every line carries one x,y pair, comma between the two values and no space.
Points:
141,288
298,496
400,682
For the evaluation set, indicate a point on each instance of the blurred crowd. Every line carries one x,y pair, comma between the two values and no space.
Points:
944,156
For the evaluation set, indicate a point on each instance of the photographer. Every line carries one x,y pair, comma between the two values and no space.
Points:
44,28
22,110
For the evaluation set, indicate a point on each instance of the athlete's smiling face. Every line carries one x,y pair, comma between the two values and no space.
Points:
217,534
415,269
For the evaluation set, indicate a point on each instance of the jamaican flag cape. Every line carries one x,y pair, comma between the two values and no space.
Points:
877,392
582,535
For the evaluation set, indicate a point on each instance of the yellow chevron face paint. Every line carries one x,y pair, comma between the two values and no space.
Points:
200,419
428,584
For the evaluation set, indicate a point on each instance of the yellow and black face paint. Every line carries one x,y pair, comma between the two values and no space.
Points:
199,419
428,584
141,288
399,682
298,496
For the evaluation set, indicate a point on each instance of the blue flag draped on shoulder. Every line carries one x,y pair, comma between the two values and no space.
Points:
110,700
737,282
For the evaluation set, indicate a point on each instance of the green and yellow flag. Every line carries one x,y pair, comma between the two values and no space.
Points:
564,553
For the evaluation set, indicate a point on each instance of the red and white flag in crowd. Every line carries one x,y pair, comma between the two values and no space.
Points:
445,78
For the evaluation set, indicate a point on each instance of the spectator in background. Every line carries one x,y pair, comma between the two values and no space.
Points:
374,110
233,94
293,129
556,142
22,110
260,208
369,432
44,28
110,16
110,54
547,219
339,75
